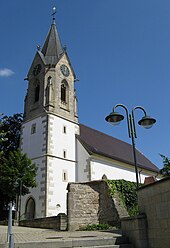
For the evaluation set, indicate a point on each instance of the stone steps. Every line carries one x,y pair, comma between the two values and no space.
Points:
57,245
108,246
119,242
46,238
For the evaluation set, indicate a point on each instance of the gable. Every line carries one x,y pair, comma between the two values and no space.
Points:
39,58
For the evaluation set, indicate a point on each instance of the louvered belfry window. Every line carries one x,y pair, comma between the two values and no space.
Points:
37,93
63,93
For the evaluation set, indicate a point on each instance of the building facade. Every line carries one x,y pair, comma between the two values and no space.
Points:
64,150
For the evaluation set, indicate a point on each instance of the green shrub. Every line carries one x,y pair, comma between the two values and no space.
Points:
127,193
93,227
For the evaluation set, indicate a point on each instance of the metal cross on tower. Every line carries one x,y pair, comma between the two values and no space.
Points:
54,12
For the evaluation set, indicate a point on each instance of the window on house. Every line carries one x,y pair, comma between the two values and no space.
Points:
37,93
33,128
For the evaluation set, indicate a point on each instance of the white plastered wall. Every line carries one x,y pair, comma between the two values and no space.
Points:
116,170
61,162
33,145
57,185
61,139
93,167
83,163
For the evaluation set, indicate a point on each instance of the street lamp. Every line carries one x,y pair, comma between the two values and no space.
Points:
115,118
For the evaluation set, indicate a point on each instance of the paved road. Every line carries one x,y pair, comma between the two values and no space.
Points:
25,234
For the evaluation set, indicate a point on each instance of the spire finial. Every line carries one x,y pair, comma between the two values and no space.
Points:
53,14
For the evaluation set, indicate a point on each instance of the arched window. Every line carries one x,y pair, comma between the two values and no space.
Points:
37,92
63,93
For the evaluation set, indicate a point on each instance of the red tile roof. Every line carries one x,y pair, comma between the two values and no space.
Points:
149,180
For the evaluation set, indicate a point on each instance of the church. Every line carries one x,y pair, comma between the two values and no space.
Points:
65,150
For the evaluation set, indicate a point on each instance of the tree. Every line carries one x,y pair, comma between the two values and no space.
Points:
10,130
165,171
16,169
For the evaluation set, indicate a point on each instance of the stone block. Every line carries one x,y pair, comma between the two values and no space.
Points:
91,204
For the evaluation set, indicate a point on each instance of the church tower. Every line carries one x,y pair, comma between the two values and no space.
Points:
49,128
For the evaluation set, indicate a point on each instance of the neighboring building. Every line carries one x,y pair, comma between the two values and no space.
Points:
65,150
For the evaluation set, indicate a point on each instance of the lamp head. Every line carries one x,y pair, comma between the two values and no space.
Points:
147,122
114,118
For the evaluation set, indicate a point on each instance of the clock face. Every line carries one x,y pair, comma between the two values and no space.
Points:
65,71
37,70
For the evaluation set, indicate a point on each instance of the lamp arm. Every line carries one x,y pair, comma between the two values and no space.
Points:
127,116
133,117
139,107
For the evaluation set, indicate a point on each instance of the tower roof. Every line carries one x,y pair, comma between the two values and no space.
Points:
52,49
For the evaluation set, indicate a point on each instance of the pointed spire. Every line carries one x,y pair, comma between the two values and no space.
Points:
52,48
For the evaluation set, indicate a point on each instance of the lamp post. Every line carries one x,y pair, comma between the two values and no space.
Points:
20,193
18,184
115,118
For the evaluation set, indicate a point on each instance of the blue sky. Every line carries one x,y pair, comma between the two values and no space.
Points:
119,49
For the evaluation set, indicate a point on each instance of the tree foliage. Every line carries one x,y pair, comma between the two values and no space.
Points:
10,130
165,171
16,169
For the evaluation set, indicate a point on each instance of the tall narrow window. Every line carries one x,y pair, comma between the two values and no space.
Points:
33,128
65,176
64,129
64,153
63,93
37,93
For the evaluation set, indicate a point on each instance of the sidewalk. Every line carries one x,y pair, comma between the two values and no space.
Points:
28,235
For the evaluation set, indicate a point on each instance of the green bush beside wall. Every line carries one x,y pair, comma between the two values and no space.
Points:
127,192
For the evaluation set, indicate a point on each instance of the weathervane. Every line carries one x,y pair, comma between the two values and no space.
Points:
54,12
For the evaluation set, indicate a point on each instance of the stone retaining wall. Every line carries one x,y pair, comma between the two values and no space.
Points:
55,222
135,228
90,203
154,203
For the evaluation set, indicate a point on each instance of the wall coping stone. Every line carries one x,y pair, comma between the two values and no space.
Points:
86,182
140,216
155,183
